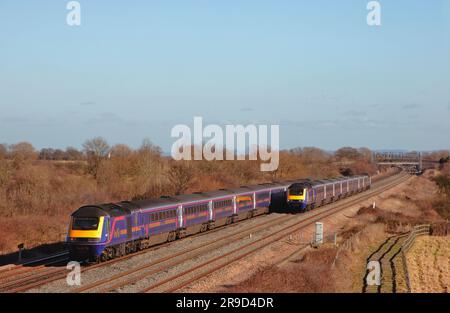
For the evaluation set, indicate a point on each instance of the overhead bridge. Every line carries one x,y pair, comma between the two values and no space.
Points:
408,161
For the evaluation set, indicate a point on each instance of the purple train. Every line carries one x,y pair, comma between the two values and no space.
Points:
106,231
305,195
102,232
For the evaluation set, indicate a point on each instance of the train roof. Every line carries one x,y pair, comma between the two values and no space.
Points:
217,193
190,197
272,185
153,203
240,190
100,210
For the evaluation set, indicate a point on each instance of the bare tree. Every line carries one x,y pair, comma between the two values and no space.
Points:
180,175
121,151
73,154
348,153
149,147
23,151
365,153
46,154
3,151
96,150
5,172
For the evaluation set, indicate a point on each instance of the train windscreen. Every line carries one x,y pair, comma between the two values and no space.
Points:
296,190
85,223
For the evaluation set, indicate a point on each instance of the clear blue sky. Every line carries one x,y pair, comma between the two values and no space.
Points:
134,69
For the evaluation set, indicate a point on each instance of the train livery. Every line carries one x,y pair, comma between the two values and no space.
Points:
101,232
306,195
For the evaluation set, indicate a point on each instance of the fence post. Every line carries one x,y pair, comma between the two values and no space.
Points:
21,247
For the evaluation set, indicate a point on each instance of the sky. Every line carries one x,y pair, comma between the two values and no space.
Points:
135,69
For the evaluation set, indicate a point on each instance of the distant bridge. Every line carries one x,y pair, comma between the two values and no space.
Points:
408,161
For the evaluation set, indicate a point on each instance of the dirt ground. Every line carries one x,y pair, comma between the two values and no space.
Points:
292,266
429,264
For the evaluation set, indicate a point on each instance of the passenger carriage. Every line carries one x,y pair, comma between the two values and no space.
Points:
105,231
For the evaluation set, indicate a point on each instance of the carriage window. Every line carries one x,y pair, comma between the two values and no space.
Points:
262,196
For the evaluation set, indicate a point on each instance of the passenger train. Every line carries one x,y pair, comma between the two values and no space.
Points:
101,232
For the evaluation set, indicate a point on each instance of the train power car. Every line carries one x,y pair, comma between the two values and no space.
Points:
106,231
306,195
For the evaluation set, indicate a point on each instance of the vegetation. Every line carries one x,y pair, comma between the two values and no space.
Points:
442,204
39,189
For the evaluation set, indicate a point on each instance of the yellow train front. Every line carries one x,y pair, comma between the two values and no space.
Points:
297,196
88,233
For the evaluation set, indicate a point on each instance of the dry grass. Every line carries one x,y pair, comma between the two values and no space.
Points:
429,264
312,274
320,270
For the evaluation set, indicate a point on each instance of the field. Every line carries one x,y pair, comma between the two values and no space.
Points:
429,264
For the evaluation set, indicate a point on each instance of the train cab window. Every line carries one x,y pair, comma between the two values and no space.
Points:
85,223
296,191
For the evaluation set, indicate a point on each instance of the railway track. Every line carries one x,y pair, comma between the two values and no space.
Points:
28,279
15,272
177,258
183,279
135,275
36,277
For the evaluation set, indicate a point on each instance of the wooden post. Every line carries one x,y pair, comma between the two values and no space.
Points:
21,248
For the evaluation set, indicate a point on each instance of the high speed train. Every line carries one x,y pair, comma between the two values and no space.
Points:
101,232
